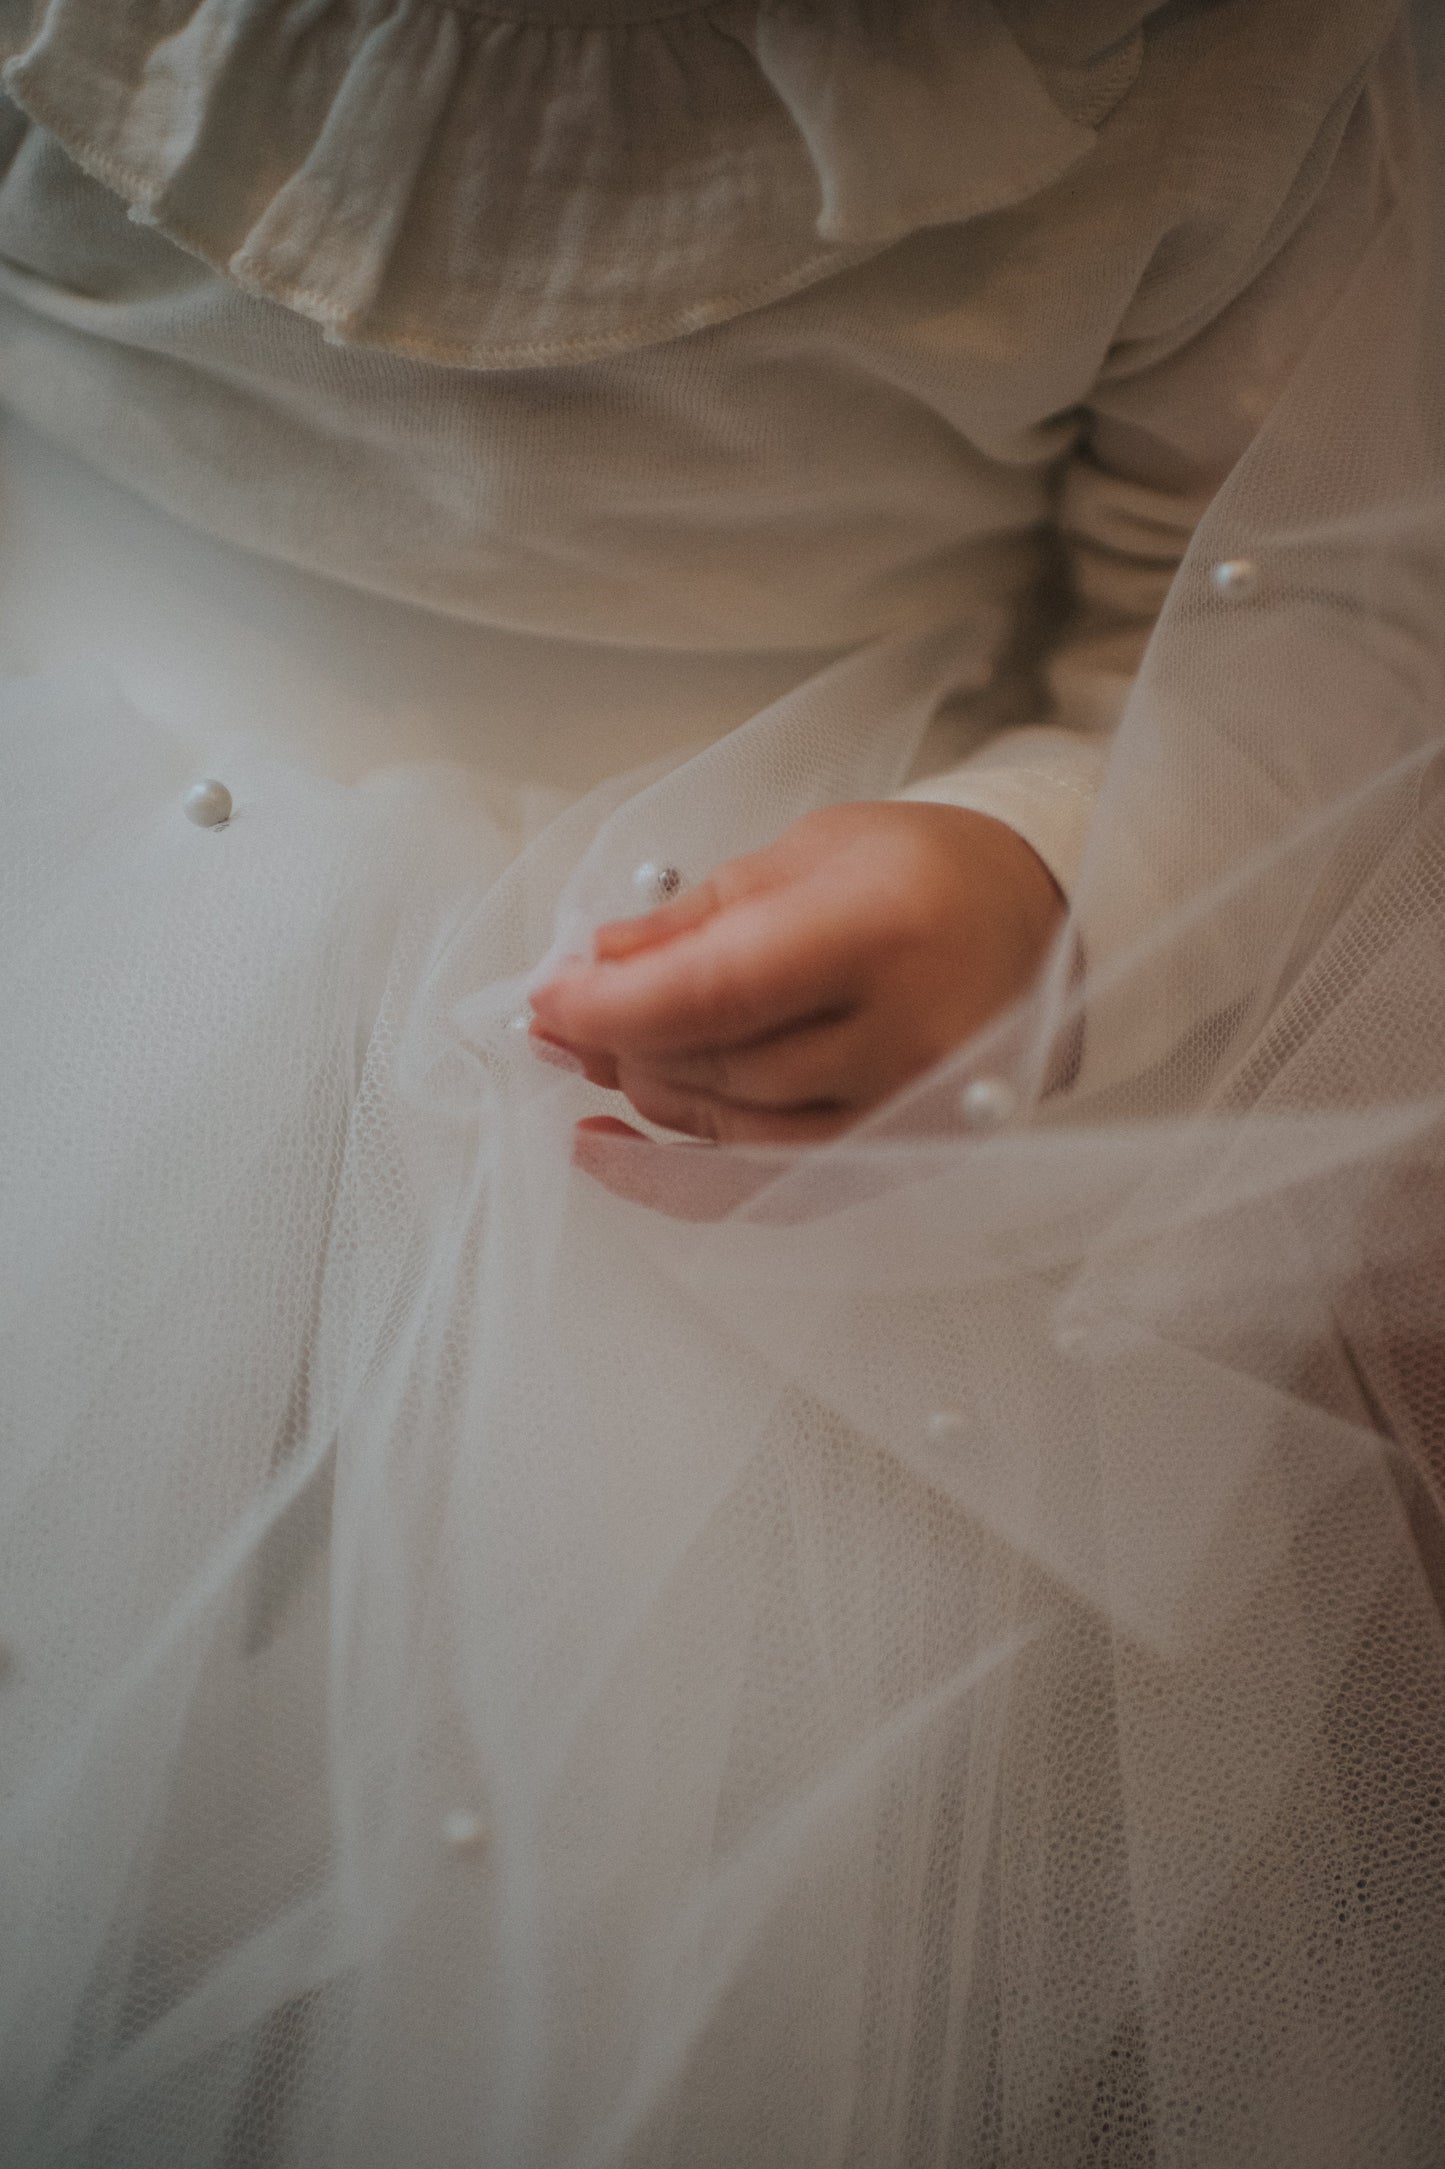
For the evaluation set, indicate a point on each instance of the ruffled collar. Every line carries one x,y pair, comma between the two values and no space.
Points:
510,183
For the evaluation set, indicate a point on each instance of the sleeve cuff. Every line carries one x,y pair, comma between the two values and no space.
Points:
1040,780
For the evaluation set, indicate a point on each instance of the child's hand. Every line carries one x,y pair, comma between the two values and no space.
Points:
796,988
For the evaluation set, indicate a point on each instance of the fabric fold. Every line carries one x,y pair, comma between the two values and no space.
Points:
558,182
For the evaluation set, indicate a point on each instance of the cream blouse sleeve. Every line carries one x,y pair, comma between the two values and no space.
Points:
1175,406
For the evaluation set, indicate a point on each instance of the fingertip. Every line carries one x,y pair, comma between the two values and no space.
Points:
593,1063
549,1001
623,938
597,1006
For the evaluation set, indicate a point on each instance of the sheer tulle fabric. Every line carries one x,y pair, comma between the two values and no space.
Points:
934,1658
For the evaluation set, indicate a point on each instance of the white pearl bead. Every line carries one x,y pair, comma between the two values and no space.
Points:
987,1103
208,804
1235,577
656,884
463,1831
946,1427
520,1022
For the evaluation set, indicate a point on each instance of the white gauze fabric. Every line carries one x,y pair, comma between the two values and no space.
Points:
935,1658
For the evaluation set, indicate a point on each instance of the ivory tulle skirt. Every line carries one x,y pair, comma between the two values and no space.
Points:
935,1658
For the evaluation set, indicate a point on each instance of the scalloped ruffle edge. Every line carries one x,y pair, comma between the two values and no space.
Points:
478,186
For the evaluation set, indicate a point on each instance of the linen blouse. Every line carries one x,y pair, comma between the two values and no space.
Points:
761,325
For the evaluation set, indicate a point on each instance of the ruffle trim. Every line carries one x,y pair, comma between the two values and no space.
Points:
548,181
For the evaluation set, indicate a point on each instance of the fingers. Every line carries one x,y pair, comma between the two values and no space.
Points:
686,1182
829,1060
593,1063
723,1122
755,874
621,938
797,988
680,1104
745,971
705,950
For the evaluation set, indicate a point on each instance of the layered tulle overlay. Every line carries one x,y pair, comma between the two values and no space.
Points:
925,1653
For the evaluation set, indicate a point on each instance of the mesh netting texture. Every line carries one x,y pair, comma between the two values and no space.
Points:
939,1662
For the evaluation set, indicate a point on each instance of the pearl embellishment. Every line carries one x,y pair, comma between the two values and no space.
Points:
946,1428
1235,578
656,884
521,1021
463,1831
208,804
987,1103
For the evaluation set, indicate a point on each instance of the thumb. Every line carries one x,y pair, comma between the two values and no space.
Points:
621,938
731,883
